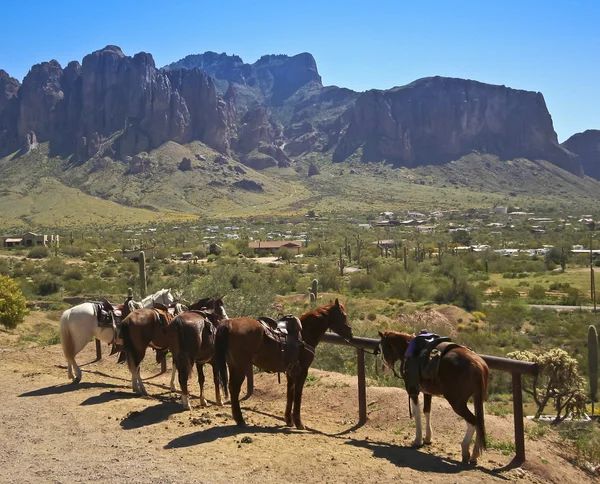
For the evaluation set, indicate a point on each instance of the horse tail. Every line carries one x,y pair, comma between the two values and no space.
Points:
221,347
66,339
186,347
128,348
478,398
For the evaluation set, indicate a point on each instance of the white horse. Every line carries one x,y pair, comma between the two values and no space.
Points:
79,325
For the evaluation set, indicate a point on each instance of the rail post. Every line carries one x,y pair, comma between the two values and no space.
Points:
518,417
98,350
362,386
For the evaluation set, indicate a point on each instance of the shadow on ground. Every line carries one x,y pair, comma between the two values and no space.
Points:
416,459
69,387
151,415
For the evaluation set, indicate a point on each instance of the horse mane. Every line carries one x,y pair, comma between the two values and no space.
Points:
390,333
321,312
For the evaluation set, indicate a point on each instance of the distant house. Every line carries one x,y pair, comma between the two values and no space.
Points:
30,239
272,246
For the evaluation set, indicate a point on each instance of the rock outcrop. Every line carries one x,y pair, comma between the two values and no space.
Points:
276,77
436,120
587,146
115,102
9,113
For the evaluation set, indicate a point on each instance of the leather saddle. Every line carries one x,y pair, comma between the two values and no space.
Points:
287,332
430,355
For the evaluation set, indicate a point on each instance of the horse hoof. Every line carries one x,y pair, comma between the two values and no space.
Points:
173,389
76,381
427,442
417,444
300,427
473,462
241,423
465,460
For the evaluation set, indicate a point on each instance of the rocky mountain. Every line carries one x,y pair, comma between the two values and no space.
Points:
436,120
587,146
267,113
112,104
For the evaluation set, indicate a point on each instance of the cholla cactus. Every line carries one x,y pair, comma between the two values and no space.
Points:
558,381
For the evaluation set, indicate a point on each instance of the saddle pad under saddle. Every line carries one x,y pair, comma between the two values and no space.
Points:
429,361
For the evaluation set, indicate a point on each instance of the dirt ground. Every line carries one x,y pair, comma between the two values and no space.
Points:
53,431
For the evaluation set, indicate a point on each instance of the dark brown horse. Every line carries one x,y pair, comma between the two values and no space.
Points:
143,328
461,374
191,339
241,342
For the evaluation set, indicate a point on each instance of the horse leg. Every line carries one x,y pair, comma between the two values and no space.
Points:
141,386
416,410
183,373
298,387
461,409
290,398
217,388
200,368
173,371
427,412
236,378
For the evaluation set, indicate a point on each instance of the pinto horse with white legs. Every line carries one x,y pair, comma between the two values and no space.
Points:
461,374
79,325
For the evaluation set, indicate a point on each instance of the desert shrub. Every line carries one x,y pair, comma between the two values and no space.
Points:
574,297
108,271
47,285
362,282
537,293
71,251
55,266
13,307
39,252
508,315
74,274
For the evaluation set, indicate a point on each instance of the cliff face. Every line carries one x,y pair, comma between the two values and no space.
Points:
9,112
80,108
587,146
436,120
276,77
265,112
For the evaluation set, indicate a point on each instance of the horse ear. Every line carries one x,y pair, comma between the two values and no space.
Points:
380,334
337,303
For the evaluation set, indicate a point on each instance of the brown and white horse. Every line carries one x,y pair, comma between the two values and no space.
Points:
241,342
462,374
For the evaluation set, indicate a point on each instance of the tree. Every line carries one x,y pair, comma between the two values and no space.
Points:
557,381
12,303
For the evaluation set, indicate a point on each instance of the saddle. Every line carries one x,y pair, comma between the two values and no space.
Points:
287,333
173,309
424,362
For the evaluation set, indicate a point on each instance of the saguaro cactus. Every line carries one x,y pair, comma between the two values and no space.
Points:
315,288
342,263
143,273
593,363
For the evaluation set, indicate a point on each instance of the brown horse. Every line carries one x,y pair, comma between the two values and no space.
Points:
241,342
143,328
191,339
462,374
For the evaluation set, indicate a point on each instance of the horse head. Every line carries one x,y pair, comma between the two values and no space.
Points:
393,346
338,320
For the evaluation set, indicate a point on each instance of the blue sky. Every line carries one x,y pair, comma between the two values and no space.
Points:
547,46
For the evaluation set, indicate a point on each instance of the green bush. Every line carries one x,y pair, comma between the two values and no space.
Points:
73,274
537,293
55,266
362,282
39,252
13,307
47,285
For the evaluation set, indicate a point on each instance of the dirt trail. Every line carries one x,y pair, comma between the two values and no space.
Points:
52,431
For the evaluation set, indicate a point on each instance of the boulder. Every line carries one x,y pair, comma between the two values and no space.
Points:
185,165
249,185
313,170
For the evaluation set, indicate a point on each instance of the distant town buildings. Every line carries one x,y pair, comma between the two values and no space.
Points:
30,239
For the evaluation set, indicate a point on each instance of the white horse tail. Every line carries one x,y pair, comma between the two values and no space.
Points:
66,340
